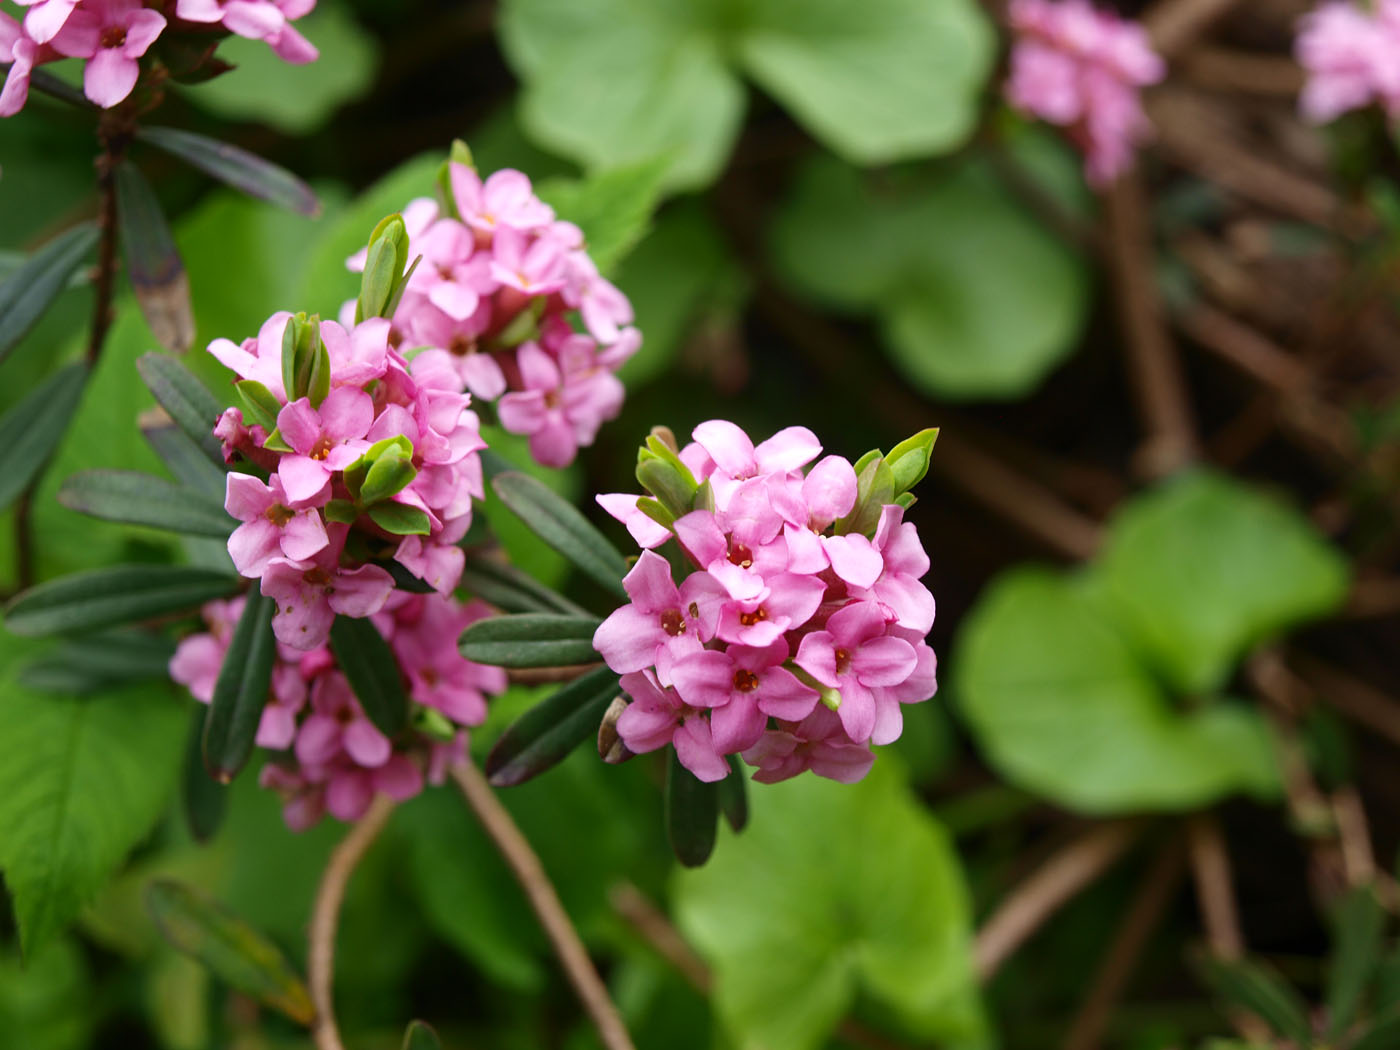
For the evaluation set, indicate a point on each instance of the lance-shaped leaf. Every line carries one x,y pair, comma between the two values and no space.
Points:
1359,925
420,1036
32,429
100,661
153,263
733,795
373,671
232,949
186,461
544,735
27,292
510,590
240,694
143,499
121,594
692,813
237,168
185,399
563,527
203,799
1260,990
531,640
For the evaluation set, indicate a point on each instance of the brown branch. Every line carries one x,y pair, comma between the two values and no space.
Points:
1041,895
1158,384
533,879
325,918
547,675
1210,868
1219,69
1116,967
1373,597
1174,25
1357,700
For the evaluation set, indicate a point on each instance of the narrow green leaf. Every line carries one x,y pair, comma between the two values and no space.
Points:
400,519
420,1036
1254,987
544,735
692,813
564,528
909,460
233,950
143,499
373,670
153,262
120,594
29,291
405,580
531,640
260,406
241,692
237,168
98,662
32,429
204,800
184,459
186,400
388,475
1384,1035
733,795
1356,951
511,590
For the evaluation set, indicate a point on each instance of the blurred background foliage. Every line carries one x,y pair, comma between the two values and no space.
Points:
859,238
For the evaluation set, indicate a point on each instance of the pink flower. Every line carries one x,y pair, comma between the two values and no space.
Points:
742,686
271,528
325,440
817,743
277,728
45,18
662,616
657,717
111,35
904,562
562,405
787,601
531,265
360,355
450,276
604,309
309,594
23,54
439,676
338,726
258,358
623,507
854,655
267,20
506,199
1350,57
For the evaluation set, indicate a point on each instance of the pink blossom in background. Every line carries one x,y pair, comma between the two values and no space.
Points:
1082,69
1351,54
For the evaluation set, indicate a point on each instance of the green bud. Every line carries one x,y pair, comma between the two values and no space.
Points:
390,473
874,488
672,488
260,406
656,512
400,519
341,510
666,436
356,473
385,262
909,459
524,327
306,367
866,460
433,723
458,154
276,443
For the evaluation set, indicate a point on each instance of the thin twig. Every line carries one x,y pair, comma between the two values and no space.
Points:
1040,896
325,918
1357,700
1210,867
1174,25
1116,967
547,675
530,873
1353,830
1244,72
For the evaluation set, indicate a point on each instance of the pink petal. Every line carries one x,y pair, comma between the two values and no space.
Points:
705,679
399,778
302,477
781,695
304,536
252,545
816,654
361,592
299,425
883,661
737,725
246,497
696,750
854,559
788,449
348,794
830,490
628,638
728,446
109,77
318,741
345,413
141,31
366,744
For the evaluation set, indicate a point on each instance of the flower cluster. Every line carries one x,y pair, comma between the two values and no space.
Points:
799,630
334,759
494,296
1082,69
111,36
1352,57
369,458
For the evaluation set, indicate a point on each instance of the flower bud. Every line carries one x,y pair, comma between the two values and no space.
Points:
908,461
306,364
384,276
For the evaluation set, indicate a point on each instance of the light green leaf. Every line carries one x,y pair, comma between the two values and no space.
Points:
975,298
1061,706
886,915
1204,568
37,997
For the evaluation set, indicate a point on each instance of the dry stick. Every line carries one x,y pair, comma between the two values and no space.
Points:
1373,598
325,917
1175,24
1040,896
1144,913
548,675
1155,370
530,873
1357,700
1220,69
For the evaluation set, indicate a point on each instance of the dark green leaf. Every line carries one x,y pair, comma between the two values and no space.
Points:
373,670
692,813
420,1036
1259,989
204,799
27,293
187,401
564,528
153,262
546,733
531,640
237,167
403,579
98,662
234,951
400,519
733,796
1356,950
241,692
102,598
184,459
509,589
32,429
142,499
1384,1035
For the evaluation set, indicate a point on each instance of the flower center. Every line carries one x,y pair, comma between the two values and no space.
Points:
322,448
113,36
741,556
429,676
745,681
317,577
843,661
461,346
748,619
551,399
279,514
673,623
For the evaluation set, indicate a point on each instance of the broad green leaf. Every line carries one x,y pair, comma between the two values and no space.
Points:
531,640
233,950
373,671
186,400
81,782
30,289
692,813
204,800
1203,568
186,461
237,167
1257,988
794,930
1359,923
975,298
613,208
400,519
37,997
153,262
241,691
560,525
294,99
545,734
116,595
99,661
142,499
32,429
618,81
1061,706
500,583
